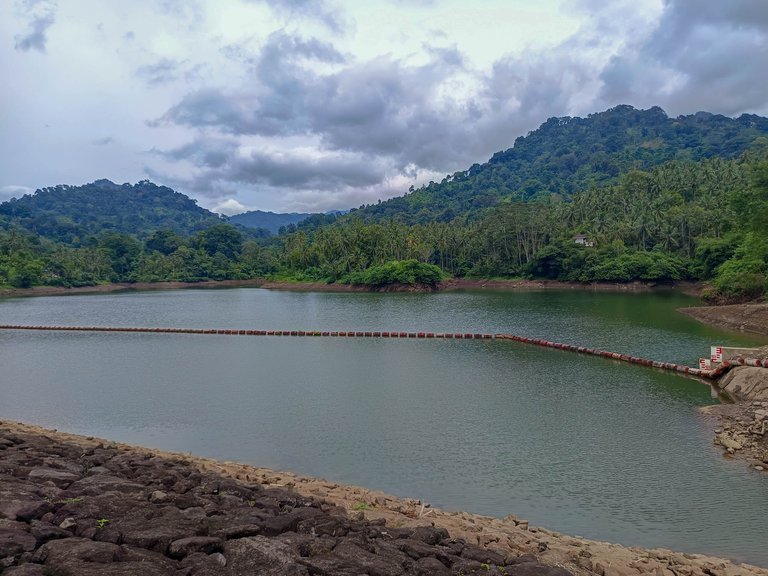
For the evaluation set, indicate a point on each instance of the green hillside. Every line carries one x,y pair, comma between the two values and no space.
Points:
70,214
567,155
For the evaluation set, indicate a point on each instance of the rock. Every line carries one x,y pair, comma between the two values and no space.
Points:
15,542
729,443
746,383
68,523
23,509
25,570
57,552
430,567
60,478
45,532
261,555
186,546
158,496
429,534
100,483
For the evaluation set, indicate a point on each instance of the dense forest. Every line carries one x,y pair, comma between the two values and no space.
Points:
691,205
565,156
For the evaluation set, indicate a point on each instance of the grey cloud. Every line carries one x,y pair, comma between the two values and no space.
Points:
42,15
317,10
161,72
103,141
401,115
703,56
272,103
203,152
293,172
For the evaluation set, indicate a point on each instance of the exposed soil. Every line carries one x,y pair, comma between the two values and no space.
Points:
74,505
452,284
744,317
125,287
741,430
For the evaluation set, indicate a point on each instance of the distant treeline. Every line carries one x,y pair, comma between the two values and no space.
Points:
683,220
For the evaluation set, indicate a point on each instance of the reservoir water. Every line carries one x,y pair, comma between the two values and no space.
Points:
577,444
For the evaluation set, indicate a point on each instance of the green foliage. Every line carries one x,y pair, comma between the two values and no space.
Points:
71,214
565,156
408,272
653,198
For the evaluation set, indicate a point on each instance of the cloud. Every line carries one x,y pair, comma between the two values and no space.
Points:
230,207
702,56
203,152
317,10
163,71
14,191
312,125
105,141
41,15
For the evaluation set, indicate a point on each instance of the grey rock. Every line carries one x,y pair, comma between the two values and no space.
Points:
186,546
60,478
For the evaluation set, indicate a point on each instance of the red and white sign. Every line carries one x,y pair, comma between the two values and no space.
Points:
705,364
717,354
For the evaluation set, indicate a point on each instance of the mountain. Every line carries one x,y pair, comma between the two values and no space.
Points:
271,221
567,155
71,213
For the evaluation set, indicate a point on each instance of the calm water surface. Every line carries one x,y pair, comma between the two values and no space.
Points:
577,444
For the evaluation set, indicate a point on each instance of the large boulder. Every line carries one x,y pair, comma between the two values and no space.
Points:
746,383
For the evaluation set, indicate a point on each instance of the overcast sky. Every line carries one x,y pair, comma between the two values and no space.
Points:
312,105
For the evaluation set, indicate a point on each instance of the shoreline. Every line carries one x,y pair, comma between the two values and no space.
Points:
453,284
510,538
752,318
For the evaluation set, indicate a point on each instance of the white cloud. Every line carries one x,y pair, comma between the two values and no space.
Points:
230,207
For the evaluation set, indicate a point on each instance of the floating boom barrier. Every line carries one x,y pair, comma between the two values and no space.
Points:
710,373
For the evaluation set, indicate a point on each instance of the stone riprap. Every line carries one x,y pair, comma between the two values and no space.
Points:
69,509
74,505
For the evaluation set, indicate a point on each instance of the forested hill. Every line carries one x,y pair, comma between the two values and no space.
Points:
71,213
568,155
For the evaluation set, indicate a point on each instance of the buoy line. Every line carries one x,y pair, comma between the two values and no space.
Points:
711,373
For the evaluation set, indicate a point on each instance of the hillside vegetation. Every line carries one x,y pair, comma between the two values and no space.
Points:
567,155
70,214
619,196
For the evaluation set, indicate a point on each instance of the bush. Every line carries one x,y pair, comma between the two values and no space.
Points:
409,272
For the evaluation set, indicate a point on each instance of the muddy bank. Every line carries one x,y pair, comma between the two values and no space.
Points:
744,317
690,288
125,287
75,505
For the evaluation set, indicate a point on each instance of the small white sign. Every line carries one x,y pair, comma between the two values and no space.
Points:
705,364
717,354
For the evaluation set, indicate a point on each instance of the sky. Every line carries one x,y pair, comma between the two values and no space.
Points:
317,105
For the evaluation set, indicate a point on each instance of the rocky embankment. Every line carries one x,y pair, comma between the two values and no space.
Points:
741,428
742,431
71,505
743,317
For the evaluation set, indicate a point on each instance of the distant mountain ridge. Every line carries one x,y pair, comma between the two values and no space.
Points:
566,155
271,221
